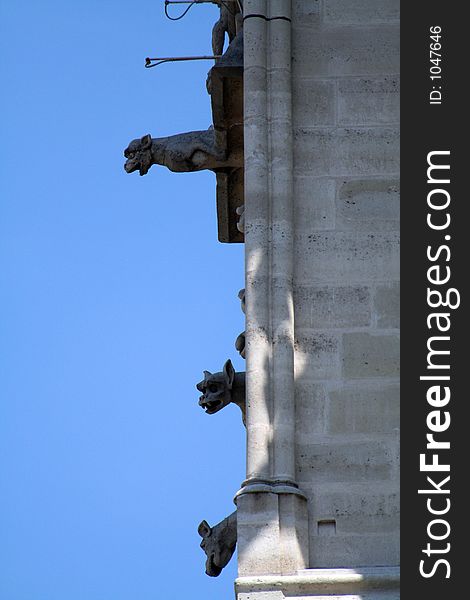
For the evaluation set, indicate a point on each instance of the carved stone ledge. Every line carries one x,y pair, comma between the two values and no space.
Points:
373,583
271,486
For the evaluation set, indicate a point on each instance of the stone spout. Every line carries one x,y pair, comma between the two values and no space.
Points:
222,388
218,543
182,153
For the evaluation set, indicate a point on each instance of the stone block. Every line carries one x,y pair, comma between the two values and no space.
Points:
363,409
314,203
360,11
332,307
353,257
258,533
352,550
363,509
387,306
368,205
306,13
314,102
369,101
346,152
310,409
293,522
316,355
346,459
339,51
272,533
366,355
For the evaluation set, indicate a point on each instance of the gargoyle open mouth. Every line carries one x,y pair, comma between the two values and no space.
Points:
211,406
212,569
130,166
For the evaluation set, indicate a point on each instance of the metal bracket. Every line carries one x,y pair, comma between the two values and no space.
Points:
154,62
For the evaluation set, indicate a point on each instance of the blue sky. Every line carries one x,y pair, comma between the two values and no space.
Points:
115,296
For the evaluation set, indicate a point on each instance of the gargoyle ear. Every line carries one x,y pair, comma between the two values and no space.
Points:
204,529
229,373
200,386
146,141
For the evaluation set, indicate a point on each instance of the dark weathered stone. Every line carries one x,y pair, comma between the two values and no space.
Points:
229,22
218,543
240,344
225,85
220,389
185,152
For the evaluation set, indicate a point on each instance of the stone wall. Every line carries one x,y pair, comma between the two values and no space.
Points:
346,274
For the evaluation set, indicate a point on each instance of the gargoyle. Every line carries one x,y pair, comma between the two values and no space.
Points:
185,152
220,389
218,543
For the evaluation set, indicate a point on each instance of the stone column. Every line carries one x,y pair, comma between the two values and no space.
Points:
258,342
272,516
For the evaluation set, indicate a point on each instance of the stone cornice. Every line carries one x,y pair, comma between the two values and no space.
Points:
324,581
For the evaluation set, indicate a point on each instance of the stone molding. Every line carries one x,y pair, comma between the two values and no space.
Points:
257,486
323,582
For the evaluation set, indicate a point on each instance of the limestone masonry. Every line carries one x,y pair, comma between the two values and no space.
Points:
305,147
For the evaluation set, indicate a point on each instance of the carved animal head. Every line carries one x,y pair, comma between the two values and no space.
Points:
218,543
216,389
139,155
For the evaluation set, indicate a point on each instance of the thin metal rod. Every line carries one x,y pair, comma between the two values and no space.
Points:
191,2
154,62
197,1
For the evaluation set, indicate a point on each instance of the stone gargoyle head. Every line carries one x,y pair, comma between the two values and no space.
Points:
220,389
218,543
139,155
216,389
